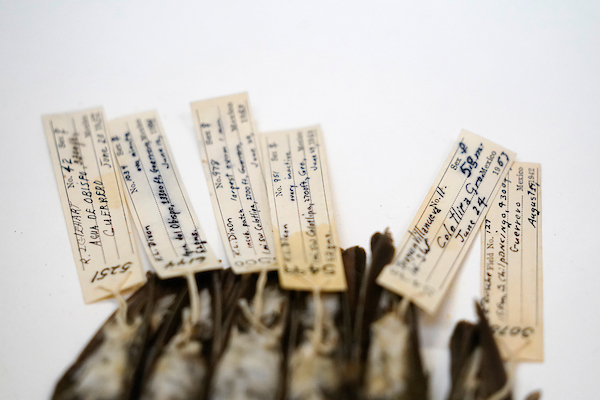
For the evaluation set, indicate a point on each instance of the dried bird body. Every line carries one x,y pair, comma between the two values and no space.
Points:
108,365
387,339
355,263
394,369
252,361
209,342
179,369
316,364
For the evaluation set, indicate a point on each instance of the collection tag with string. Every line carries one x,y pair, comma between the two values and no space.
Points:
511,264
303,220
304,226
98,220
439,236
234,173
162,212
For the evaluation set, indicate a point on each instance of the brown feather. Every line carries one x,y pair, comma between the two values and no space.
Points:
537,395
417,379
475,363
382,253
492,374
355,259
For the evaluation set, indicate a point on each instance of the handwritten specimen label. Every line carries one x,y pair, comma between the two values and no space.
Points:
511,264
237,187
431,251
302,215
162,212
91,194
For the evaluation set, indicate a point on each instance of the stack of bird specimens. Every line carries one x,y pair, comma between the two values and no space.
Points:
328,324
362,344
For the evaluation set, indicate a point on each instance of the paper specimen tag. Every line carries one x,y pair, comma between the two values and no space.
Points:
302,215
95,211
511,264
431,251
159,204
235,179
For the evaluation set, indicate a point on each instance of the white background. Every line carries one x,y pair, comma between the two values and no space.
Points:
392,84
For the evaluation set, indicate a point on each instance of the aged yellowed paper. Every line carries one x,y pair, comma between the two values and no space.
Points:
302,214
159,204
511,264
93,204
235,179
437,239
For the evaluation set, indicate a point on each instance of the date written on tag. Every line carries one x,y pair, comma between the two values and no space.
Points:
511,264
162,212
95,211
302,215
432,249
235,179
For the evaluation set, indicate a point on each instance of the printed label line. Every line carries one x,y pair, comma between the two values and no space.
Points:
296,196
274,196
318,155
102,182
121,197
162,218
137,215
537,249
256,142
88,182
112,162
237,188
476,224
300,135
209,159
433,194
179,187
66,190
130,195
442,179
249,184
522,264
161,175
450,209
171,173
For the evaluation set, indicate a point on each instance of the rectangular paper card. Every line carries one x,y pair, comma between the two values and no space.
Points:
161,209
92,198
437,239
511,264
302,214
235,179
